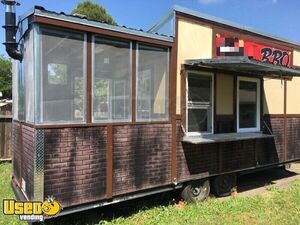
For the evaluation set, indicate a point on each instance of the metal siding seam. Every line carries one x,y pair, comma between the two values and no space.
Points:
38,179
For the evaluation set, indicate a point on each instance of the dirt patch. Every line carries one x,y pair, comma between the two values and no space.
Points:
257,183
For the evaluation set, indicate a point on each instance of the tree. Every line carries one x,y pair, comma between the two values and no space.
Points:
94,11
5,77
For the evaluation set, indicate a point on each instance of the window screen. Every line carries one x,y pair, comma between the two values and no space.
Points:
111,80
248,103
200,103
63,82
152,83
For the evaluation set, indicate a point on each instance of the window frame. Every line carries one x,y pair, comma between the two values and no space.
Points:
167,91
110,120
39,85
200,73
257,128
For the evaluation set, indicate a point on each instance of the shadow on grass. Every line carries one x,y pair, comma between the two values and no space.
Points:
262,178
124,209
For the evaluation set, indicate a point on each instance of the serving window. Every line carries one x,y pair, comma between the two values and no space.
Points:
199,103
248,104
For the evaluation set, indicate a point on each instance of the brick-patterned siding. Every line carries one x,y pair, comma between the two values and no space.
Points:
210,159
75,164
16,151
141,157
293,138
28,157
238,155
276,126
26,154
200,160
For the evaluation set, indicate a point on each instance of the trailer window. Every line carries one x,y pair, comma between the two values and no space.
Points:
248,107
152,91
62,89
111,83
199,102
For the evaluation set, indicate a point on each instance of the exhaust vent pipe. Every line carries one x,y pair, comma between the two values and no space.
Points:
11,29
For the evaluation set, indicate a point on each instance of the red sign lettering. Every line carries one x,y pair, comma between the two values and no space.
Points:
232,46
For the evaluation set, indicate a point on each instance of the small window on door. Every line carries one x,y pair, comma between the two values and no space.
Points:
248,104
199,103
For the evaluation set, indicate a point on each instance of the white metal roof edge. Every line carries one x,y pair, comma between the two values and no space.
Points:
194,13
73,19
161,21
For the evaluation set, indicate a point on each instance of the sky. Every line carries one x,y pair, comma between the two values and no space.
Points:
276,17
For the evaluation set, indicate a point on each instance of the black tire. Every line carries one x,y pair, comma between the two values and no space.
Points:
196,191
222,185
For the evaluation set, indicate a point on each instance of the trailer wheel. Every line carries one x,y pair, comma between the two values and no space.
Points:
196,191
223,184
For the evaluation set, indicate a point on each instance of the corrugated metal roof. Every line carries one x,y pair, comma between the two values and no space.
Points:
245,65
229,23
40,11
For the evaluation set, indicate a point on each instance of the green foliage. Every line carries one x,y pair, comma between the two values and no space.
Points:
94,11
5,77
57,74
279,206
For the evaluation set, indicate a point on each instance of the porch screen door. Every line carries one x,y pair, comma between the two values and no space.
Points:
199,103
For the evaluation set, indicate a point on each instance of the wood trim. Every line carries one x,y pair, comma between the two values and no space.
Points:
173,102
285,121
282,115
215,102
27,124
89,79
240,32
274,115
178,116
86,28
60,126
183,97
292,115
133,84
235,103
109,162
262,93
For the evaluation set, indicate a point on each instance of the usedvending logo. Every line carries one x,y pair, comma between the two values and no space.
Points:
31,210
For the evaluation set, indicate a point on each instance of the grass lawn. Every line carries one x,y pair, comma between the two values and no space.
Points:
277,206
6,192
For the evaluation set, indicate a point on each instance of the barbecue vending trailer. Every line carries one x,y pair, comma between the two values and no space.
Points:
104,113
